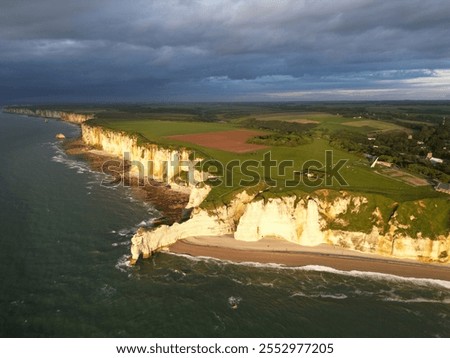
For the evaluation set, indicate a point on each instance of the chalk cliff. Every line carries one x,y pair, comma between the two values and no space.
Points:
306,221
147,160
202,223
301,220
65,116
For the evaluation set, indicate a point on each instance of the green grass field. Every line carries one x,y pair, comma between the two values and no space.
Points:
298,116
377,125
356,172
157,130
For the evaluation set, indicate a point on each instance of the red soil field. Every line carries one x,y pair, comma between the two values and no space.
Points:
230,141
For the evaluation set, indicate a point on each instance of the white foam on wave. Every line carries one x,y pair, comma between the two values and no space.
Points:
61,157
445,301
123,263
132,230
267,284
377,275
125,232
108,290
337,296
179,272
319,268
122,243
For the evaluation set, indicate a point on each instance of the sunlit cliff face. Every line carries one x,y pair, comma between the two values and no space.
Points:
65,116
298,221
147,161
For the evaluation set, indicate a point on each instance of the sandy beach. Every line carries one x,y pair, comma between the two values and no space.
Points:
273,250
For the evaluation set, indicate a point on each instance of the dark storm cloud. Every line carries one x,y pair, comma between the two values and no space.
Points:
219,50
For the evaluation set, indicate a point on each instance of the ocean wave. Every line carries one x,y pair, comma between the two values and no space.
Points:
61,157
445,301
267,284
126,232
123,263
337,296
129,231
326,269
107,290
122,243
377,276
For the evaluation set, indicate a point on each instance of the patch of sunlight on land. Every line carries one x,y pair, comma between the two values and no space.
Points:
299,117
378,125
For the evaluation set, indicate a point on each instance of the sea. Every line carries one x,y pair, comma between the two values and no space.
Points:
64,244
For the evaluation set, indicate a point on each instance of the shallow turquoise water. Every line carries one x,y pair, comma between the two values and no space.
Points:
63,243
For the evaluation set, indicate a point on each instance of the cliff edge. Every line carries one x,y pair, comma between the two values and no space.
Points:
72,117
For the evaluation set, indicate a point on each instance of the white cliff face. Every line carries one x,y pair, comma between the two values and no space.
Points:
297,222
274,218
301,221
305,224
312,234
197,196
148,161
65,116
200,224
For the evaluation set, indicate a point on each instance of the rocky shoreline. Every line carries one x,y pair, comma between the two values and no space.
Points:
170,203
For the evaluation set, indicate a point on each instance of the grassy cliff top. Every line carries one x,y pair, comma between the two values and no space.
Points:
158,126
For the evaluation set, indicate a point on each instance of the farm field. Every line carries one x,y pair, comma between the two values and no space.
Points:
231,141
377,125
301,117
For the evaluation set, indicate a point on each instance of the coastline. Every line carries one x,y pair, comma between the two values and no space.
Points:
276,251
168,201
172,202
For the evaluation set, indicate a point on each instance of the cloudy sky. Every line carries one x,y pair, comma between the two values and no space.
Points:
223,50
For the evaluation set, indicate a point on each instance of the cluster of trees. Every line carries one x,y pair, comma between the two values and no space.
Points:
287,134
279,126
283,140
400,148
430,171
